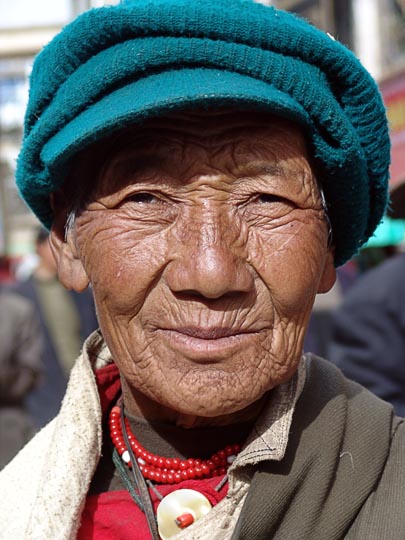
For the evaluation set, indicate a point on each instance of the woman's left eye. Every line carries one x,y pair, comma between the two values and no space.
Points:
142,198
269,205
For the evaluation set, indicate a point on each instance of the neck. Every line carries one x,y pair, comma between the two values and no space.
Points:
175,442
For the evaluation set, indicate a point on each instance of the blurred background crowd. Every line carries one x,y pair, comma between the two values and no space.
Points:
359,325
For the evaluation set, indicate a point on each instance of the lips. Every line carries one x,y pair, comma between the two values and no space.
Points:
207,344
208,333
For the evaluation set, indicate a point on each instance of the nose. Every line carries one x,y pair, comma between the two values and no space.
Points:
209,258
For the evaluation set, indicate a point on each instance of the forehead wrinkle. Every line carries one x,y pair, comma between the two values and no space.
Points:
131,166
170,138
157,147
191,161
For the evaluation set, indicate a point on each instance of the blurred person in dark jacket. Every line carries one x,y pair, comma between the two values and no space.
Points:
66,319
20,368
367,338
368,332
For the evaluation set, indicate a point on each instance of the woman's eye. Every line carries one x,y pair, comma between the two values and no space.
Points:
267,198
268,205
142,198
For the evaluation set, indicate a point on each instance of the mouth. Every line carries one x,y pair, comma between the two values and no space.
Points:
208,333
208,344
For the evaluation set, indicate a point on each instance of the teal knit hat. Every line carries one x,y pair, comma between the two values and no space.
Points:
118,65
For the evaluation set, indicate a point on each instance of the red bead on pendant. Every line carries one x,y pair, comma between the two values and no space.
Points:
185,520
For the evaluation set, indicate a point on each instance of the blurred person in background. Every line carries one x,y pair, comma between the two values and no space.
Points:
318,333
66,318
367,331
20,370
318,336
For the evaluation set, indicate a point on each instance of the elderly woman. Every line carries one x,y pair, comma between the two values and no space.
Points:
204,166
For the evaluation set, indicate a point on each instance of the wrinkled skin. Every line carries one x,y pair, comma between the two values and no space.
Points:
205,243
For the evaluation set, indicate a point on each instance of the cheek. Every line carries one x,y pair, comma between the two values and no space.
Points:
289,261
122,265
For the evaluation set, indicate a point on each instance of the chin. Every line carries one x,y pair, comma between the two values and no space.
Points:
224,410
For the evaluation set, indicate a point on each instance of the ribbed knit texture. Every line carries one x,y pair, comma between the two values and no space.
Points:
118,65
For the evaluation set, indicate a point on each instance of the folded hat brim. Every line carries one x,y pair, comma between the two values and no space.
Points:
162,93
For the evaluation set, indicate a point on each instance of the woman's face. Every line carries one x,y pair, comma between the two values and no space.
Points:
205,243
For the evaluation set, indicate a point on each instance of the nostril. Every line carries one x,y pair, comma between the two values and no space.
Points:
194,295
216,271
189,294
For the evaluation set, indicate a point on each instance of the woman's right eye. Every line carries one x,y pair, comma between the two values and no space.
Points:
268,198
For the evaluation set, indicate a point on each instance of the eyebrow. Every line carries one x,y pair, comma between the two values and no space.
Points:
133,165
260,167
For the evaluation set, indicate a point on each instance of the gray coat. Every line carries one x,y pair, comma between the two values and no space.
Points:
20,368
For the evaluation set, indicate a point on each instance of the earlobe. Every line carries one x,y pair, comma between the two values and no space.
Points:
328,277
71,272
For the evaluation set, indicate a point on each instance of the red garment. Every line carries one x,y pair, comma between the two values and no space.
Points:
114,515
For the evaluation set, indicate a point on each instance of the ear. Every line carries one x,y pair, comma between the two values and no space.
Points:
328,277
71,272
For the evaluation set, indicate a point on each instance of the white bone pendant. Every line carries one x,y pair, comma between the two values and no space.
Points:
180,509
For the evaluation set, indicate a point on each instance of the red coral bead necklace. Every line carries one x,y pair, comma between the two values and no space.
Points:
164,470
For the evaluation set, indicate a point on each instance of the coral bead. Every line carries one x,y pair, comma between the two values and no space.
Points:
175,463
185,520
205,469
191,473
199,472
177,477
158,476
